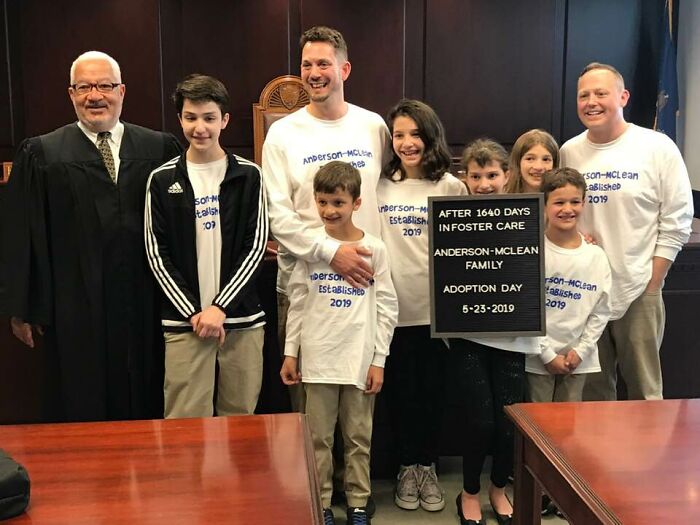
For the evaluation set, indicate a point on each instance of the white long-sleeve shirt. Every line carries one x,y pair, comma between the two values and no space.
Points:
403,210
577,299
639,204
342,330
295,148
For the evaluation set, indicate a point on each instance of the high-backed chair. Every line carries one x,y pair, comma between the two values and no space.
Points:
281,96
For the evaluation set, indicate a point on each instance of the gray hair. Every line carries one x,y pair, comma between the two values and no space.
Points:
96,55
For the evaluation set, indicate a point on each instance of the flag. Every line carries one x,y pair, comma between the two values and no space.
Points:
667,98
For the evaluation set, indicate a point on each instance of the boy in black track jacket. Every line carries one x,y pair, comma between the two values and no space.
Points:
206,230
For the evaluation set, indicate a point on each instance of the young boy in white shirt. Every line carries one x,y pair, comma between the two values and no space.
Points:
206,231
577,295
345,334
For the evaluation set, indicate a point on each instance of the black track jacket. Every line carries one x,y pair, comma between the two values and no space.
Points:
171,243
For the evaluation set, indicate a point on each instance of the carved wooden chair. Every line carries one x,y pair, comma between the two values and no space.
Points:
281,96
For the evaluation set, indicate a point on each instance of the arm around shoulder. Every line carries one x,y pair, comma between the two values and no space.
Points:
285,223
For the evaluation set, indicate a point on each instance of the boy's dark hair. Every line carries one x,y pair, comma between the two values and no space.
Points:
201,88
560,177
328,35
338,175
436,155
482,151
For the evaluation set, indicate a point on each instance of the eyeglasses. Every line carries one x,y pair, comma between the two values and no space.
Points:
83,88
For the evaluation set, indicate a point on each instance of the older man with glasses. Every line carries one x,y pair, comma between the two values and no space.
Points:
75,265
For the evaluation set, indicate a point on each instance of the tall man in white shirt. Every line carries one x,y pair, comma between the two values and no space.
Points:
328,128
639,210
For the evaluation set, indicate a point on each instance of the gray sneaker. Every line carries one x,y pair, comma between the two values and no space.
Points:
407,491
430,493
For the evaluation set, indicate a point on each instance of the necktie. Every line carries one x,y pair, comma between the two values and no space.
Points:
106,152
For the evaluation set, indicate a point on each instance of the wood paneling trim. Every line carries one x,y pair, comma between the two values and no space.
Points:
171,56
558,57
414,49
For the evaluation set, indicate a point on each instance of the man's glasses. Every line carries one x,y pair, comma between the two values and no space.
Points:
83,88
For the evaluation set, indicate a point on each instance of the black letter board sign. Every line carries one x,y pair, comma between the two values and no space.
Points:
486,265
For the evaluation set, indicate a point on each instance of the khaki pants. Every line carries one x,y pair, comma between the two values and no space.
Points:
297,393
547,388
348,405
633,343
190,364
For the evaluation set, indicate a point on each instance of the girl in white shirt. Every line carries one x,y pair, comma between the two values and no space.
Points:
415,366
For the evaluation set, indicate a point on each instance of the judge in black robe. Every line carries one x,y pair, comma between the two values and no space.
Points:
75,258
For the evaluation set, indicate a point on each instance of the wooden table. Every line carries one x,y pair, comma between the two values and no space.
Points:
631,462
243,469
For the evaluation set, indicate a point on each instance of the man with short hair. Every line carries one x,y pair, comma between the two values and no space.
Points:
328,128
639,209
73,216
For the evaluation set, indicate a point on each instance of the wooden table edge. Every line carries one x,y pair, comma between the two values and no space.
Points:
531,432
302,430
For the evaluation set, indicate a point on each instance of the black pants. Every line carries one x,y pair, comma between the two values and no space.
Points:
487,379
414,387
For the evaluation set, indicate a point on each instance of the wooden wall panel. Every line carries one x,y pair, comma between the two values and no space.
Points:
625,34
588,40
6,139
171,25
245,45
11,92
414,49
54,33
491,67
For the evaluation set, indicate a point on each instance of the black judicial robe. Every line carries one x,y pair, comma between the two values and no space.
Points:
75,263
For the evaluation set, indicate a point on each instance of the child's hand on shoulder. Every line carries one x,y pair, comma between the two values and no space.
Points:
557,366
375,379
290,372
572,360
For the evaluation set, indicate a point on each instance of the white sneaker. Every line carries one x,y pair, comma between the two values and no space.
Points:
431,497
407,490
